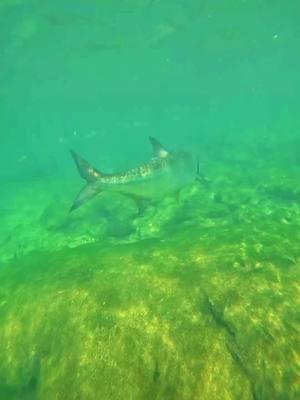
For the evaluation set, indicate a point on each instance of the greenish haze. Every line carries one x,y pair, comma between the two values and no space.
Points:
192,297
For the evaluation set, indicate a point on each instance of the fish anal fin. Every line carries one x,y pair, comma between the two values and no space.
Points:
158,149
141,202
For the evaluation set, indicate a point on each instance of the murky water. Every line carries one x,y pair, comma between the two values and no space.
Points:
149,290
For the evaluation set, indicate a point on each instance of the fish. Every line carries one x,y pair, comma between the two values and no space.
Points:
166,172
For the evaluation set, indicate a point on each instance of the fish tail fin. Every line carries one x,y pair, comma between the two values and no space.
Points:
90,175
86,171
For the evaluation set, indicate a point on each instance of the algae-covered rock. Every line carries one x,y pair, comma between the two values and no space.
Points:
37,217
152,320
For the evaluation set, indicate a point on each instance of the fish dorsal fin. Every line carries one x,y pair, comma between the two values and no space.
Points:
158,150
86,171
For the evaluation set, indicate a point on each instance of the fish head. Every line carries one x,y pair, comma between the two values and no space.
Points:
183,161
183,167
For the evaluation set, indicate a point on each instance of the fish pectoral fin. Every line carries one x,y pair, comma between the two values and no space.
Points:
200,178
88,192
141,202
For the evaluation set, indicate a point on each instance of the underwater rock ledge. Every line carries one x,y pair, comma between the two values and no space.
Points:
151,320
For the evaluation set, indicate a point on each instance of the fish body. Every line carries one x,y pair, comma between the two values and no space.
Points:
166,172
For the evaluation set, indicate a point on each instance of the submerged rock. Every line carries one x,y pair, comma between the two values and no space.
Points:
151,320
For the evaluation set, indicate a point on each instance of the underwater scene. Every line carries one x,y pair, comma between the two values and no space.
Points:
150,200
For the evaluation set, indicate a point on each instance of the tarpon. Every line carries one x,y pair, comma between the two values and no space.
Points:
165,173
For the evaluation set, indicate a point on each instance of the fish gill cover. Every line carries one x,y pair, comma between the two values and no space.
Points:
193,291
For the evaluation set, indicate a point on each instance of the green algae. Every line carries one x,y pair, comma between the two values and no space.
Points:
149,320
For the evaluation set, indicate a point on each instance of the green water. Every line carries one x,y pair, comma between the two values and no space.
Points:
194,296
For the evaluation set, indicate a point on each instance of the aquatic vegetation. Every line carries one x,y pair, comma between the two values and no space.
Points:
157,319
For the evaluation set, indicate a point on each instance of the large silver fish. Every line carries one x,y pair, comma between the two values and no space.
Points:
166,172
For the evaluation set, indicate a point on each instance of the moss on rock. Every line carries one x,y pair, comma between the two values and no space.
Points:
153,320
